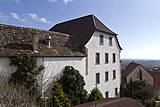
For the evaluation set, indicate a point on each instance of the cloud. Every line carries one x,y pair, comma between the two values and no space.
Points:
67,1
15,16
52,1
37,18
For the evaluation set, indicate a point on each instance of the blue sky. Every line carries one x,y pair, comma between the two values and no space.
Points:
137,22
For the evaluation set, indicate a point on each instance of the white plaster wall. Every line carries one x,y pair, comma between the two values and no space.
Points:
54,66
5,68
93,47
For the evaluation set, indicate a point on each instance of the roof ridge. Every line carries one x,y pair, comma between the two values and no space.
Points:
5,25
90,15
20,27
95,25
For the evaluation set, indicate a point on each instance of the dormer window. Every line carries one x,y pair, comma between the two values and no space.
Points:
101,40
110,41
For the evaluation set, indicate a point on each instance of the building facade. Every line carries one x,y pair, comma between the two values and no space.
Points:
134,71
84,43
102,53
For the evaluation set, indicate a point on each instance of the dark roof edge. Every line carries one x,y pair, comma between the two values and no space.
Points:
118,42
95,18
114,34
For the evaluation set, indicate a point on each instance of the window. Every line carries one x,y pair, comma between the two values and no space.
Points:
97,58
110,41
106,58
114,74
106,94
116,91
97,78
101,40
114,57
106,76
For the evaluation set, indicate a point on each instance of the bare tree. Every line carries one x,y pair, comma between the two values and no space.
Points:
12,95
46,79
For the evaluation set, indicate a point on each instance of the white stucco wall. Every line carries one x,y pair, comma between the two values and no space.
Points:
93,47
54,66
5,68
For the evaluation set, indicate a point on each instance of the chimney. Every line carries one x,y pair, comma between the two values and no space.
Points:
48,40
35,42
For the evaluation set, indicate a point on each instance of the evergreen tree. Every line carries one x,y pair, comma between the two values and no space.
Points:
121,90
73,85
95,95
59,98
131,88
139,90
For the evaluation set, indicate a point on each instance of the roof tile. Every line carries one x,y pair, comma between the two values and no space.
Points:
18,41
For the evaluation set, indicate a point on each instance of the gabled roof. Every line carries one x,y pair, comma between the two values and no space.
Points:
129,68
83,28
18,41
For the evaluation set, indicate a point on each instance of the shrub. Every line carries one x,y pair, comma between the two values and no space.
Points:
140,90
95,95
59,98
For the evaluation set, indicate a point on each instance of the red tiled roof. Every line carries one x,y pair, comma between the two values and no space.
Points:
156,78
83,28
18,41
121,102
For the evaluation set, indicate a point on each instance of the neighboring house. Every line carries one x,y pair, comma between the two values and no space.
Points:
119,102
156,78
156,81
84,43
134,71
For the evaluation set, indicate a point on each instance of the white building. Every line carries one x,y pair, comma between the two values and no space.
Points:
84,43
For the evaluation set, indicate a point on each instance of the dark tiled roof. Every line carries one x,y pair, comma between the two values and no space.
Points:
129,68
121,102
83,28
156,78
18,41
